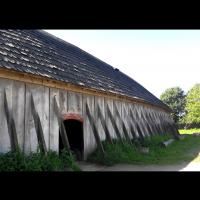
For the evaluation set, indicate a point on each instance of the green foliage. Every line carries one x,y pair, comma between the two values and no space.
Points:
127,153
40,162
175,99
69,161
18,161
12,161
189,131
193,105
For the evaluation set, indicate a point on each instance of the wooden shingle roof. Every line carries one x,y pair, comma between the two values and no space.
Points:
39,53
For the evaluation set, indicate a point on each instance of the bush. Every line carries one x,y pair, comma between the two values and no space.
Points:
18,161
69,161
12,161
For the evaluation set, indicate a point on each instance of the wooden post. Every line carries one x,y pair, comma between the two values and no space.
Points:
62,129
162,126
11,125
132,131
103,123
138,128
166,143
38,127
126,133
154,126
114,124
150,126
143,123
123,125
94,129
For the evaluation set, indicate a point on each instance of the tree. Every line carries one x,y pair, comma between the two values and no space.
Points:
193,105
175,99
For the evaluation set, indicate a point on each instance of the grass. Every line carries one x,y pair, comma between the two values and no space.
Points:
189,131
18,161
176,152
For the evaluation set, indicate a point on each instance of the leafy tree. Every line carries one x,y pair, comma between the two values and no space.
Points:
175,99
193,105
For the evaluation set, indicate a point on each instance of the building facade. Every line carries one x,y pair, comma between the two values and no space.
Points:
55,95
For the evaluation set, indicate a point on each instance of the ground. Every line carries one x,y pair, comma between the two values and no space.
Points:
127,167
192,165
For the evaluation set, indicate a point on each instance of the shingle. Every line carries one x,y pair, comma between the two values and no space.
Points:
38,52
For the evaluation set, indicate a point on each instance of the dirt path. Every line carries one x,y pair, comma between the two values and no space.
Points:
193,166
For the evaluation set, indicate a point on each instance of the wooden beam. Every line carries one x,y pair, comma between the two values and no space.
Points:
104,125
132,132
94,129
149,128
114,124
157,128
11,125
143,123
138,121
62,129
131,125
38,127
162,127
153,125
49,82
123,125
139,131
166,143
146,123
137,126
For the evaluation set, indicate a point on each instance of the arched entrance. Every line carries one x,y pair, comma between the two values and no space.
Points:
74,129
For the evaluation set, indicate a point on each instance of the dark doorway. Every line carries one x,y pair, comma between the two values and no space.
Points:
74,129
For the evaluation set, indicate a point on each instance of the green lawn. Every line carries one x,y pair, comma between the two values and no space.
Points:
184,150
189,131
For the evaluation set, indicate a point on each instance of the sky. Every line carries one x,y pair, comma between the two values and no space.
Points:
157,59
